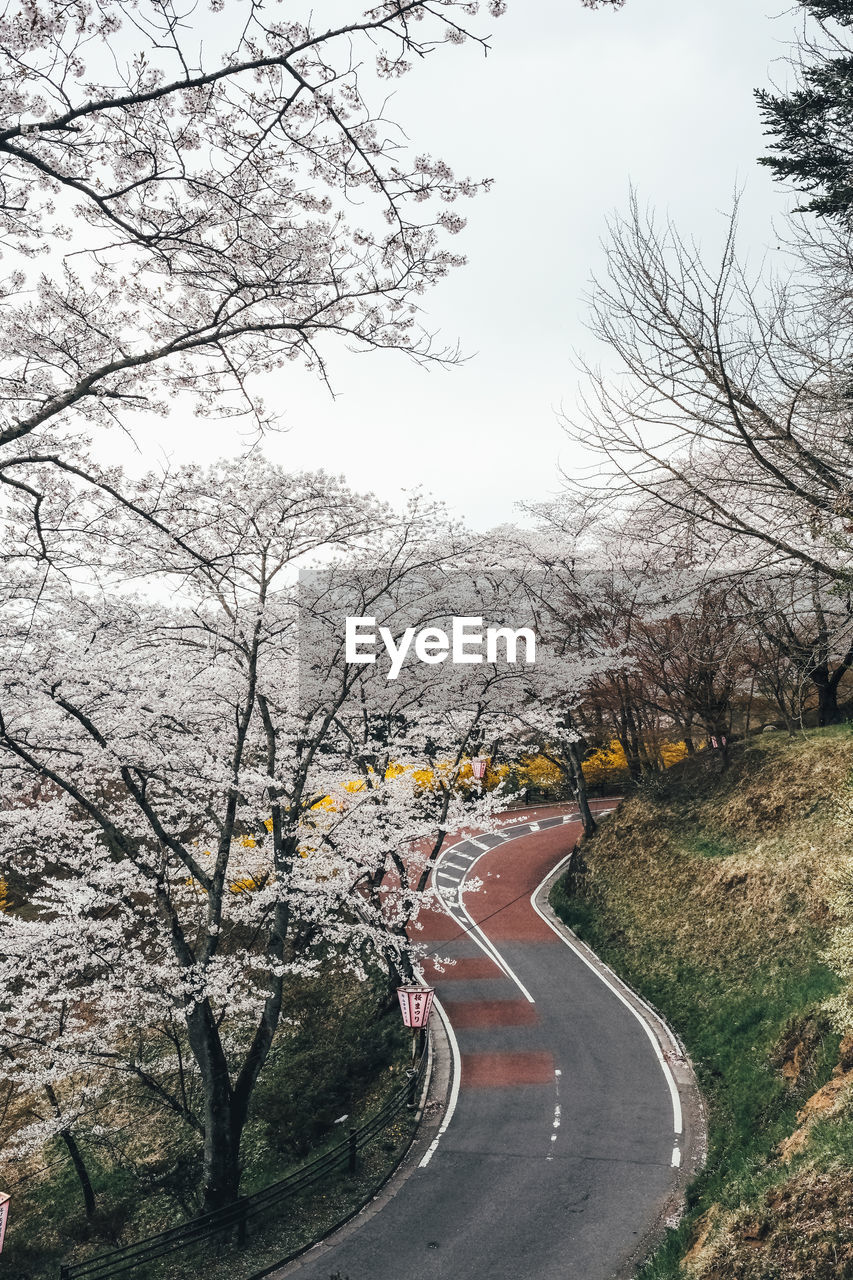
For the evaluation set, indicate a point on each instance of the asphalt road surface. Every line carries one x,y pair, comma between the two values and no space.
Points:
560,1152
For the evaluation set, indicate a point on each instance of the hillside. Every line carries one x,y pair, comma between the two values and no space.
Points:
723,899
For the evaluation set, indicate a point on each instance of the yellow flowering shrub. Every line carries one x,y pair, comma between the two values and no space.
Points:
538,771
672,752
606,765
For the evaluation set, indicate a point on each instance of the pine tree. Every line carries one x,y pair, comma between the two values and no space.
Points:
813,124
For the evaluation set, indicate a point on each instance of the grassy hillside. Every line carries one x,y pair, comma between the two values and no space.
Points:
723,899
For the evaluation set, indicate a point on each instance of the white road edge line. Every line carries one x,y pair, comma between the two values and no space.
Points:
678,1119
454,1090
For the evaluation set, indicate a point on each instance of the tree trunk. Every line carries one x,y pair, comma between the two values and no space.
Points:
76,1157
81,1170
222,1134
632,758
224,1113
579,787
827,701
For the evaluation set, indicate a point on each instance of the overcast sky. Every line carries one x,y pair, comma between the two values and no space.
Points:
569,107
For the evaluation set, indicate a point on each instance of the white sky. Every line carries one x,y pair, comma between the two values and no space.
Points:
569,107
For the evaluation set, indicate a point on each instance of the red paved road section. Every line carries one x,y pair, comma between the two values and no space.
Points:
503,1070
510,873
437,927
491,1013
504,918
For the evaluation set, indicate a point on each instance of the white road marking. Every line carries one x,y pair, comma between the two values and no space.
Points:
676,1158
456,866
677,1117
485,944
454,1089
558,1111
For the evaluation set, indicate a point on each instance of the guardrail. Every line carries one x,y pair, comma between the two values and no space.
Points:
233,1223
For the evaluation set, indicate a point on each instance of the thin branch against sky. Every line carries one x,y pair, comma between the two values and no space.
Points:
569,106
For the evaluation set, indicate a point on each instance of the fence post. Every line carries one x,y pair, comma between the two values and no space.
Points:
242,1222
353,1153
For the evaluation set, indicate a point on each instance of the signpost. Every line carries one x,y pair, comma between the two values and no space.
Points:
416,1004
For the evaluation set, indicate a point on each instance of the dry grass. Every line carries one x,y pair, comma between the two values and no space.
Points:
798,1230
746,858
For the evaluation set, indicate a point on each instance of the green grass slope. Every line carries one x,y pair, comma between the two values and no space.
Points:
717,897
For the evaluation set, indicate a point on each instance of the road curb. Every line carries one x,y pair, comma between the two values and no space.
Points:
694,1142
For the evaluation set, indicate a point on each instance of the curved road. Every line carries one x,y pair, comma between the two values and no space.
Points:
563,1147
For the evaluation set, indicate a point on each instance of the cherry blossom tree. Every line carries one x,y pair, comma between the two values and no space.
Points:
201,800
575,591
802,626
193,196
